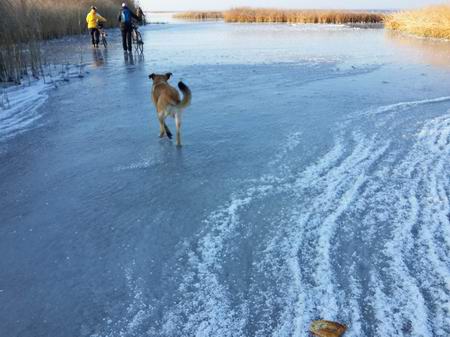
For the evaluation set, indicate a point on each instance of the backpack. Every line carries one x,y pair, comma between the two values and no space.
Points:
126,16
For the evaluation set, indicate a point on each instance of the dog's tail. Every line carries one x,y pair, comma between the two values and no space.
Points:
187,95
168,133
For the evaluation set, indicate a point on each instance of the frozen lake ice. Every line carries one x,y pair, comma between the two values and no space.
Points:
314,182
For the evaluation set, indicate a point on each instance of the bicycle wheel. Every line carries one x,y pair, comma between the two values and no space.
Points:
140,47
104,42
139,43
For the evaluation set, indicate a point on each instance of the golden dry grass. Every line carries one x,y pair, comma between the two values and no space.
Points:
261,15
432,21
199,16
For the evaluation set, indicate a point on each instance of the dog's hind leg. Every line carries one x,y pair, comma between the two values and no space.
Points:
162,113
162,130
168,133
178,125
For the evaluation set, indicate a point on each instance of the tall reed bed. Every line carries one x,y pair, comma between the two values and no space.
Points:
261,15
25,23
199,16
433,21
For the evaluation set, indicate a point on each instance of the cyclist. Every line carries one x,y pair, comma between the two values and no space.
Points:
126,26
93,19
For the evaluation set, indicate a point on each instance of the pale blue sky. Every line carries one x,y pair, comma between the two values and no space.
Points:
170,5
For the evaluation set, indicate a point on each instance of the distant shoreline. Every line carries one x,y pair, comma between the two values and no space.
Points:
287,9
263,15
428,22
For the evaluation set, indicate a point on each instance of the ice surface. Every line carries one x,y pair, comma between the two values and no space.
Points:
20,107
313,183
20,104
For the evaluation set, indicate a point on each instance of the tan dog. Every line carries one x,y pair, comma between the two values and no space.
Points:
168,103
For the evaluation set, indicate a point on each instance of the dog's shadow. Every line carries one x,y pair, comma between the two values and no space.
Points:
170,154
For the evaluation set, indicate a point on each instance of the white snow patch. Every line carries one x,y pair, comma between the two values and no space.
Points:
407,105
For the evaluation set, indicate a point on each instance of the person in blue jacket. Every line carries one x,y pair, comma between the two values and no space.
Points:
126,26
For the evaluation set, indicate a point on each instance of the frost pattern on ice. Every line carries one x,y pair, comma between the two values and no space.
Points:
408,105
400,288
361,235
20,105
20,108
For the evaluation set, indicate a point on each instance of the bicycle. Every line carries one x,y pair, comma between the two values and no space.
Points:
103,36
137,39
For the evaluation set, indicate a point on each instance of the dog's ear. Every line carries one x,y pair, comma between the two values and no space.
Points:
151,76
168,75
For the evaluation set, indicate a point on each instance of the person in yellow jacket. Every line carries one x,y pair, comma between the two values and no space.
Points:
93,20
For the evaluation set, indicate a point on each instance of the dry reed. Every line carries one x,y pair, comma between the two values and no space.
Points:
432,21
199,16
261,15
26,22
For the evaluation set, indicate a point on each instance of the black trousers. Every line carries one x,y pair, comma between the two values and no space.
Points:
95,35
126,38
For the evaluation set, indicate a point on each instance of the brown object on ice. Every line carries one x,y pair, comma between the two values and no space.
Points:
323,328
